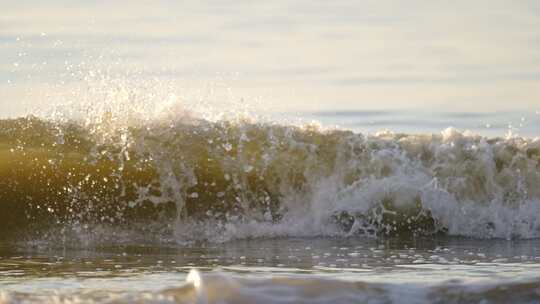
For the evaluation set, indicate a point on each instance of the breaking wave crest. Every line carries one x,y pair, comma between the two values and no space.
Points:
189,179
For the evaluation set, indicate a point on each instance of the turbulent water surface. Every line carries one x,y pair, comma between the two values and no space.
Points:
123,209
269,151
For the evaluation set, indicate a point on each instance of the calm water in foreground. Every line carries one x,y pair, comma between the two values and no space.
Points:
282,270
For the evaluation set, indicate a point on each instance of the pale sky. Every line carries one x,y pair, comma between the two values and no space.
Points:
290,55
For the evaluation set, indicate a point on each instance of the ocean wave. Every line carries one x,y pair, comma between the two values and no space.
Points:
194,179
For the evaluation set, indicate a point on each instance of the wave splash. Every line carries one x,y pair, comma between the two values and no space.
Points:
189,179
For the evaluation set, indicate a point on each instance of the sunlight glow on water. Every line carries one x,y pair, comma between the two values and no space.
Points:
200,152
292,56
276,271
194,278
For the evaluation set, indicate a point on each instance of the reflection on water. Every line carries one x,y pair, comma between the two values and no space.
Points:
289,55
324,270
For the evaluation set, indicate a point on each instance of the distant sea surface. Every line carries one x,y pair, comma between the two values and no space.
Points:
491,124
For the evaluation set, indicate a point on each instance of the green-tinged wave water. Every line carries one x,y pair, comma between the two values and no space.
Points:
192,179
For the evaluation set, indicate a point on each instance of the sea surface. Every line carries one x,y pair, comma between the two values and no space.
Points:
278,270
126,207
269,152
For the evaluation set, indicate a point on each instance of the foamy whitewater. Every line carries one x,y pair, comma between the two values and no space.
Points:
230,152
98,203
194,179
